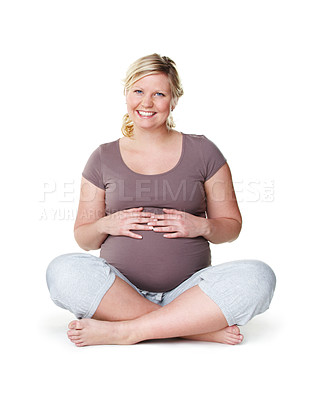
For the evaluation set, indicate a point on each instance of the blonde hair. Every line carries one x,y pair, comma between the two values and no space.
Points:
149,65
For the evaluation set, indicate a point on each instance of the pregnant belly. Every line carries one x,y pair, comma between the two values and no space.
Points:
155,263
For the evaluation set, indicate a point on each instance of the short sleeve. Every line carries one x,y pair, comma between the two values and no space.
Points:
213,158
92,171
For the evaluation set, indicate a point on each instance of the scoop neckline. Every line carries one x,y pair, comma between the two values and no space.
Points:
162,173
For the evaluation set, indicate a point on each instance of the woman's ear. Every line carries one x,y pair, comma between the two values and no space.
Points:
173,105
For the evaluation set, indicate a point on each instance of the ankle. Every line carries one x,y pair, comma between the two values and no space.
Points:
124,332
132,331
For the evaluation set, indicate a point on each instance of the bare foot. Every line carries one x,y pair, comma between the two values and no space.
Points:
87,332
228,335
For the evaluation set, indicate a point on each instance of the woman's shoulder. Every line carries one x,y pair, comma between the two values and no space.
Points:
206,152
104,152
200,141
108,145
104,149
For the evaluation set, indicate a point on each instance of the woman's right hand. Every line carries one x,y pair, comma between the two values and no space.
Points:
123,222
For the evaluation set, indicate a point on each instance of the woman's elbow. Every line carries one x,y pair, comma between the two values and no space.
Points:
82,244
236,231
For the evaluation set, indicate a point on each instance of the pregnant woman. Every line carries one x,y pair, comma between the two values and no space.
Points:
152,201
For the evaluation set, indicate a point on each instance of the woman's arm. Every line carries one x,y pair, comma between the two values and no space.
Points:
224,219
91,208
223,222
92,226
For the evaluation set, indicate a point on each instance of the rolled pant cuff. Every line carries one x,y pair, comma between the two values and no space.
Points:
108,283
219,302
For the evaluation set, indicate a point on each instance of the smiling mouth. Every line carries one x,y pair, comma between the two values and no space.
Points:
146,114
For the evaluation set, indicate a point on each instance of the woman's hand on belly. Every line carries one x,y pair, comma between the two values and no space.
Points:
123,222
179,224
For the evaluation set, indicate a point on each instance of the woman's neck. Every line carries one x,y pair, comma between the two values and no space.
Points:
146,139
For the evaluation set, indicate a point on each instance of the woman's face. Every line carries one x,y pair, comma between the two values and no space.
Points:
149,101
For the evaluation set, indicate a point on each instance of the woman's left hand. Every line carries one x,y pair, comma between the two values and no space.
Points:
180,224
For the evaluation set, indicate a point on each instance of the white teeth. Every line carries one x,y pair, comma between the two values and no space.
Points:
145,113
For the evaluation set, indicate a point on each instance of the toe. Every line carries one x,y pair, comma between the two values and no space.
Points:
76,340
233,341
75,337
74,325
231,336
236,340
234,329
78,343
72,332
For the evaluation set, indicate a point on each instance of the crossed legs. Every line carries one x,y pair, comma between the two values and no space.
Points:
115,313
125,317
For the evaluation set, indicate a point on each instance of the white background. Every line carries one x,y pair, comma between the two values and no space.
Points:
246,68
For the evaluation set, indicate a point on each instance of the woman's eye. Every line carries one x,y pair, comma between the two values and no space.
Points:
159,94
138,91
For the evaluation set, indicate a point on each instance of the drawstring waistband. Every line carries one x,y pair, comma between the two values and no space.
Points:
158,296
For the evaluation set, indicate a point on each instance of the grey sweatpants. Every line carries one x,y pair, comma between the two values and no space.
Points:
241,289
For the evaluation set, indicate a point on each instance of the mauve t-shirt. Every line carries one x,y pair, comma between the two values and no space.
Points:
155,263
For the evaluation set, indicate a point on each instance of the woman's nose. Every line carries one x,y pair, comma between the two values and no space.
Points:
147,102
